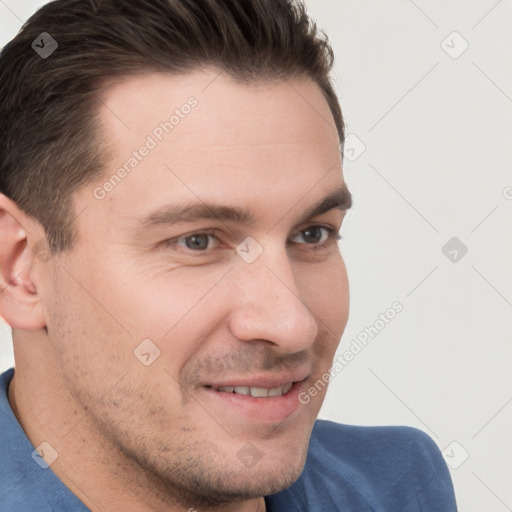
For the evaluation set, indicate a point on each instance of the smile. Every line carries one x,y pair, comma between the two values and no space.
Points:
256,391
257,398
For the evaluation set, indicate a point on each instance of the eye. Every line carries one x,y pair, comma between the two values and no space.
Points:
315,235
197,242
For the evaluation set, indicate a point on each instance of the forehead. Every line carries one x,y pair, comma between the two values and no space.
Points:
206,135
227,107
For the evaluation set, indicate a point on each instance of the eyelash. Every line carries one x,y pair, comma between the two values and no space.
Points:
332,235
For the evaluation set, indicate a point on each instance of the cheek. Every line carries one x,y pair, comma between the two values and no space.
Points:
90,349
326,293
154,301
178,310
95,361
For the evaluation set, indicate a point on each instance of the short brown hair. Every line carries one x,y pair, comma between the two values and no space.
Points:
50,139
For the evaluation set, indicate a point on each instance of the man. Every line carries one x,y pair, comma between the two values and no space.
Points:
172,193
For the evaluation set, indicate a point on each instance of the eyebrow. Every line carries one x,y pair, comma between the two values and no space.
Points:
340,199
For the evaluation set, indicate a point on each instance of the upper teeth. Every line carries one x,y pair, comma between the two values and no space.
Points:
256,391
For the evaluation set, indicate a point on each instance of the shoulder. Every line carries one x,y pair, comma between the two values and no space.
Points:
385,446
372,468
25,482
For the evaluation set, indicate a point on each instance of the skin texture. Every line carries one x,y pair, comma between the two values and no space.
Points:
135,437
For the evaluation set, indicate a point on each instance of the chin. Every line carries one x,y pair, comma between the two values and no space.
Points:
244,483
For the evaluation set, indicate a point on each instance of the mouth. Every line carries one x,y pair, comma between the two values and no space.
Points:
257,391
260,399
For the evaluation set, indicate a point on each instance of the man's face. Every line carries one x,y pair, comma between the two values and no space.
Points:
246,292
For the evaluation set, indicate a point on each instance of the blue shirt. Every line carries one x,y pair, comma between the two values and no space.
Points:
348,469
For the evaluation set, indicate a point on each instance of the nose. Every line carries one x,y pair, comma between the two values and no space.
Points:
268,305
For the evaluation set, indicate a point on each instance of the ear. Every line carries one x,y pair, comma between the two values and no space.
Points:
20,303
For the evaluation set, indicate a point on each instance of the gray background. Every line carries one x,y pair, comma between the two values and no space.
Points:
427,97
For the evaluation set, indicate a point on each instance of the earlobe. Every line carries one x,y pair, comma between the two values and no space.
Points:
20,303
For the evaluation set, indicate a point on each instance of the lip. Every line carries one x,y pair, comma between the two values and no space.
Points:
257,410
261,381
